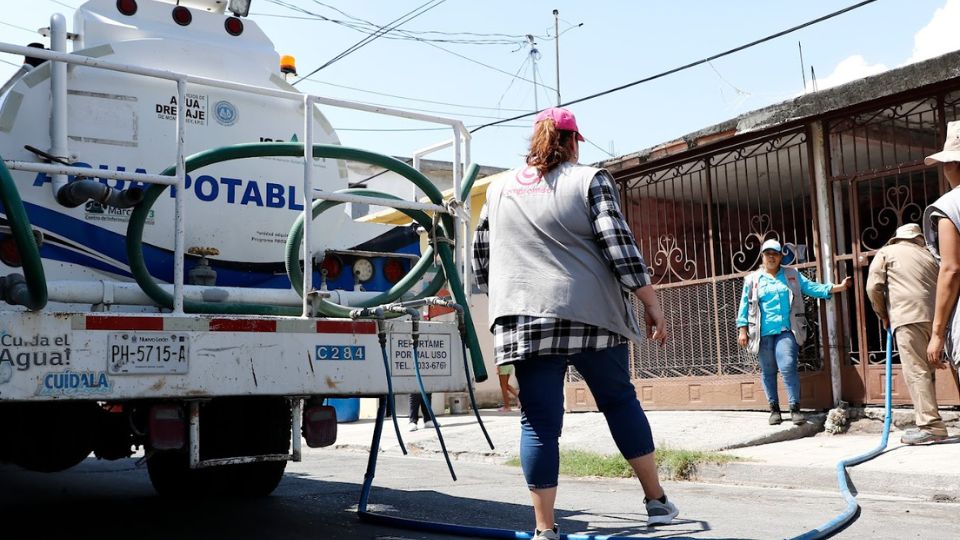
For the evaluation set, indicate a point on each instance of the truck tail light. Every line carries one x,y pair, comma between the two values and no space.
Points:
127,7
182,16
320,426
233,26
9,252
332,265
393,270
166,427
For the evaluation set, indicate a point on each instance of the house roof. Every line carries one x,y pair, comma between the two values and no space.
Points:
395,217
804,107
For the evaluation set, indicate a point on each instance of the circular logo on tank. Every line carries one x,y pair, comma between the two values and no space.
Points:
225,113
528,176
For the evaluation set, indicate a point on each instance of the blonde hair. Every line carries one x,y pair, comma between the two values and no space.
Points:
549,146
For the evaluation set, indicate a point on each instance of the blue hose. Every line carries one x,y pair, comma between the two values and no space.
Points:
434,526
829,528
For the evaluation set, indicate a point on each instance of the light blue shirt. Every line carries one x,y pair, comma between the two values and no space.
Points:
774,297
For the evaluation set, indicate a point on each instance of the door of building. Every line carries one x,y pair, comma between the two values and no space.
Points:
879,183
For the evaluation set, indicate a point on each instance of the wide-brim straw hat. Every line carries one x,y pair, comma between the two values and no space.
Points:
951,147
909,231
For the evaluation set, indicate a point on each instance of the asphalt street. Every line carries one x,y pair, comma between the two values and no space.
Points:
318,500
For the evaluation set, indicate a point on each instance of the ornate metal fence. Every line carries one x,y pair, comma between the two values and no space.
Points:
880,183
700,224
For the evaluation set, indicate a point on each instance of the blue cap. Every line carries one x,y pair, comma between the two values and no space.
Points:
771,245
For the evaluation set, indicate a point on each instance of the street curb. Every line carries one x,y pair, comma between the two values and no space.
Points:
811,427
938,488
414,449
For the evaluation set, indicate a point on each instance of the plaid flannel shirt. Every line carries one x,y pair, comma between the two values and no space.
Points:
518,337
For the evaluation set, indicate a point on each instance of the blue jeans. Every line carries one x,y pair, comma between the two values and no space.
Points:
540,380
780,352
416,405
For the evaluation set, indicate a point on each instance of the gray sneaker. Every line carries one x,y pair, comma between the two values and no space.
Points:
919,436
549,534
659,513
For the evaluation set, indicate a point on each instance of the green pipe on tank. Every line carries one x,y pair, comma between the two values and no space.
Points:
35,295
468,181
138,220
325,307
138,217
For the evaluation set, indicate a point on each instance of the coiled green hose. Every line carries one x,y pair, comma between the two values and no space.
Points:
138,220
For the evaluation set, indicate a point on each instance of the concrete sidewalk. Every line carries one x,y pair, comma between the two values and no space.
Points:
780,456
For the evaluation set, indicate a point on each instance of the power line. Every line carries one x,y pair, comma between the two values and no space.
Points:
370,28
512,37
401,130
62,4
412,38
488,117
526,58
481,63
34,31
412,99
692,64
597,147
383,30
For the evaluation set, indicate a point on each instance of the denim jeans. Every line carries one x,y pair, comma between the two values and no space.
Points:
541,396
780,352
416,405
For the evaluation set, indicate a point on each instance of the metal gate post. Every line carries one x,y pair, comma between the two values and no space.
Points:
817,147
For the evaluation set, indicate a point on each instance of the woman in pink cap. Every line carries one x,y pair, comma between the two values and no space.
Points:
560,263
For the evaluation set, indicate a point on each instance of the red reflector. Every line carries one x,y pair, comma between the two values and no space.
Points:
233,25
320,426
127,7
166,427
332,265
182,16
393,270
9,253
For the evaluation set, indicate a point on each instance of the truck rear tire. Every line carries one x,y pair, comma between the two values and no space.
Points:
48,436
229,427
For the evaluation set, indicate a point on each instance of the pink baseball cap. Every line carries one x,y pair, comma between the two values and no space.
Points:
563,118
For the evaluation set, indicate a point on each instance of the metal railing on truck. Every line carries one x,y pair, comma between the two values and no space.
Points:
450,223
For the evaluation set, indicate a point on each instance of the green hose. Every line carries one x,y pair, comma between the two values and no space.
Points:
35,296
138,220
330,309
468,181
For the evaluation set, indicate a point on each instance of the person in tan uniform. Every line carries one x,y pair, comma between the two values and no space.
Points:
901,285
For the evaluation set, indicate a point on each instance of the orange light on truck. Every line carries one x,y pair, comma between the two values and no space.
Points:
288,64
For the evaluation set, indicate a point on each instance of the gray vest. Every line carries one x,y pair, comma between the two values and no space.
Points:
948,205
544,260
798,317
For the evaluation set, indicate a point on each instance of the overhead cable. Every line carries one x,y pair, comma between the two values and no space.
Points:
691,64
423,8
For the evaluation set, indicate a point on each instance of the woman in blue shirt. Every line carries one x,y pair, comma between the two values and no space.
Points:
771,322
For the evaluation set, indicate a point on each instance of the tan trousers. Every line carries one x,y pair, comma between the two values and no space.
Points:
912,340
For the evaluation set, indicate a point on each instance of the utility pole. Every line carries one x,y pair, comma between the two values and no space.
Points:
534,53
556,39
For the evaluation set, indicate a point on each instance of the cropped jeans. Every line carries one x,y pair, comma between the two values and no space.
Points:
780,352
607,375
